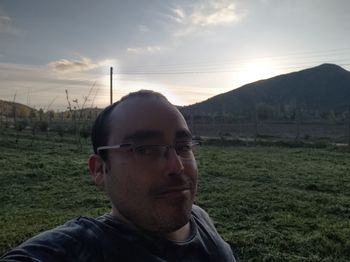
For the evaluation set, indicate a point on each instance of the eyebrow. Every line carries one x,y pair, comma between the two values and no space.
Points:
183,134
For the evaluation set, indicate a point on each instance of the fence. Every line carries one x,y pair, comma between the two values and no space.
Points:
335,131
219,126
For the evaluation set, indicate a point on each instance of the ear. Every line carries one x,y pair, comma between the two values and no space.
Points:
97,170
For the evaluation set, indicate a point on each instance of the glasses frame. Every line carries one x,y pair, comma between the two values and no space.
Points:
133,146
114,147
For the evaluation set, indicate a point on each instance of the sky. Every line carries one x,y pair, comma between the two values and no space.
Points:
189,50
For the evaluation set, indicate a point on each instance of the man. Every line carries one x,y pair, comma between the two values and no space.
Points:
143,161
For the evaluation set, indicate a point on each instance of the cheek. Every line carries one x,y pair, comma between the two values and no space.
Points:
191,172
126,180
191,168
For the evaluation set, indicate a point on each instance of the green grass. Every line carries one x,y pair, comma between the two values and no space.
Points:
42,184
268,203
279,204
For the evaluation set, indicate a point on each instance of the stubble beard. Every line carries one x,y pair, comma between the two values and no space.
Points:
162,216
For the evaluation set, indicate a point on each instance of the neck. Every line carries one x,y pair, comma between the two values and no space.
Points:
180,234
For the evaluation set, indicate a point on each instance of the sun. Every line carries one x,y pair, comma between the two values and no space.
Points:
256,70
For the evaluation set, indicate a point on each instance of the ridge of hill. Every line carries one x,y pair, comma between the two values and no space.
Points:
319,89
322,88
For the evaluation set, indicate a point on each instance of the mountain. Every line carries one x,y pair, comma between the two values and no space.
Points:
319,89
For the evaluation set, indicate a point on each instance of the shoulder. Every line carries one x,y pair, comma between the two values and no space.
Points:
78,229
202,216
75,238
198,211
208,234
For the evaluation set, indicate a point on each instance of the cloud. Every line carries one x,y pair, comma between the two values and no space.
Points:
265,2
5,23
38,85
179,15
85,64
4,19
206,14
6,26
144,50
143,28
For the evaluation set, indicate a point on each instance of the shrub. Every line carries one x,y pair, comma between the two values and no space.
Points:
42,125
85,132
60,131
21,125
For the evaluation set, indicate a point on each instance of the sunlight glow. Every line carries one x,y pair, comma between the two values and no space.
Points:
255,70
123,87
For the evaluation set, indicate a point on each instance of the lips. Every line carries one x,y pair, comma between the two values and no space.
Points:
173,190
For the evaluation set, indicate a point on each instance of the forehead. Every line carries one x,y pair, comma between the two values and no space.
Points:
146,116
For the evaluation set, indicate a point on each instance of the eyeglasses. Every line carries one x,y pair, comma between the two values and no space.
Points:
184,149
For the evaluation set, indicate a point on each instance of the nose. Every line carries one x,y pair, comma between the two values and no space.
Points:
174,162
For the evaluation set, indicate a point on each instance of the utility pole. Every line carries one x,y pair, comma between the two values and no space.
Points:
298,122
256,120
111,75
349,126
14,110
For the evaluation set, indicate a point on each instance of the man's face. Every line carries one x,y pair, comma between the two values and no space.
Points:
153,194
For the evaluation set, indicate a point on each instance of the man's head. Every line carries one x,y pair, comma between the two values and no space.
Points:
150,174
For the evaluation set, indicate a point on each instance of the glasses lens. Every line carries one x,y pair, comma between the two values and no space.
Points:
150,151
156,152
185,149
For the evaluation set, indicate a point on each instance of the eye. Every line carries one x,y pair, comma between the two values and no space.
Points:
148,150
183,147
143,150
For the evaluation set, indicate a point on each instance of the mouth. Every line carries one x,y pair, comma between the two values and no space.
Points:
174,191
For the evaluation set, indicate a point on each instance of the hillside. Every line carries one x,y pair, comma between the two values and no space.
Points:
319,89
24,111
7,109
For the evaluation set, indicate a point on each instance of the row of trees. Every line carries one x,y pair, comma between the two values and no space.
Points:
77,120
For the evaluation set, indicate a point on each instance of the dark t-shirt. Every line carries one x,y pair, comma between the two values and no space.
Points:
106,239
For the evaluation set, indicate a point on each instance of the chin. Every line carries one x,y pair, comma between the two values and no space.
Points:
173,219
165,227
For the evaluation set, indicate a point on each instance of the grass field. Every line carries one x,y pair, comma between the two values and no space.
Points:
269,203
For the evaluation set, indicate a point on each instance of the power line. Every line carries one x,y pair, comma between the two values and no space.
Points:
208,62
226,66
315,57
222,70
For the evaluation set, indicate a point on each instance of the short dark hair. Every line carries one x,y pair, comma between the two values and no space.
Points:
100,130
